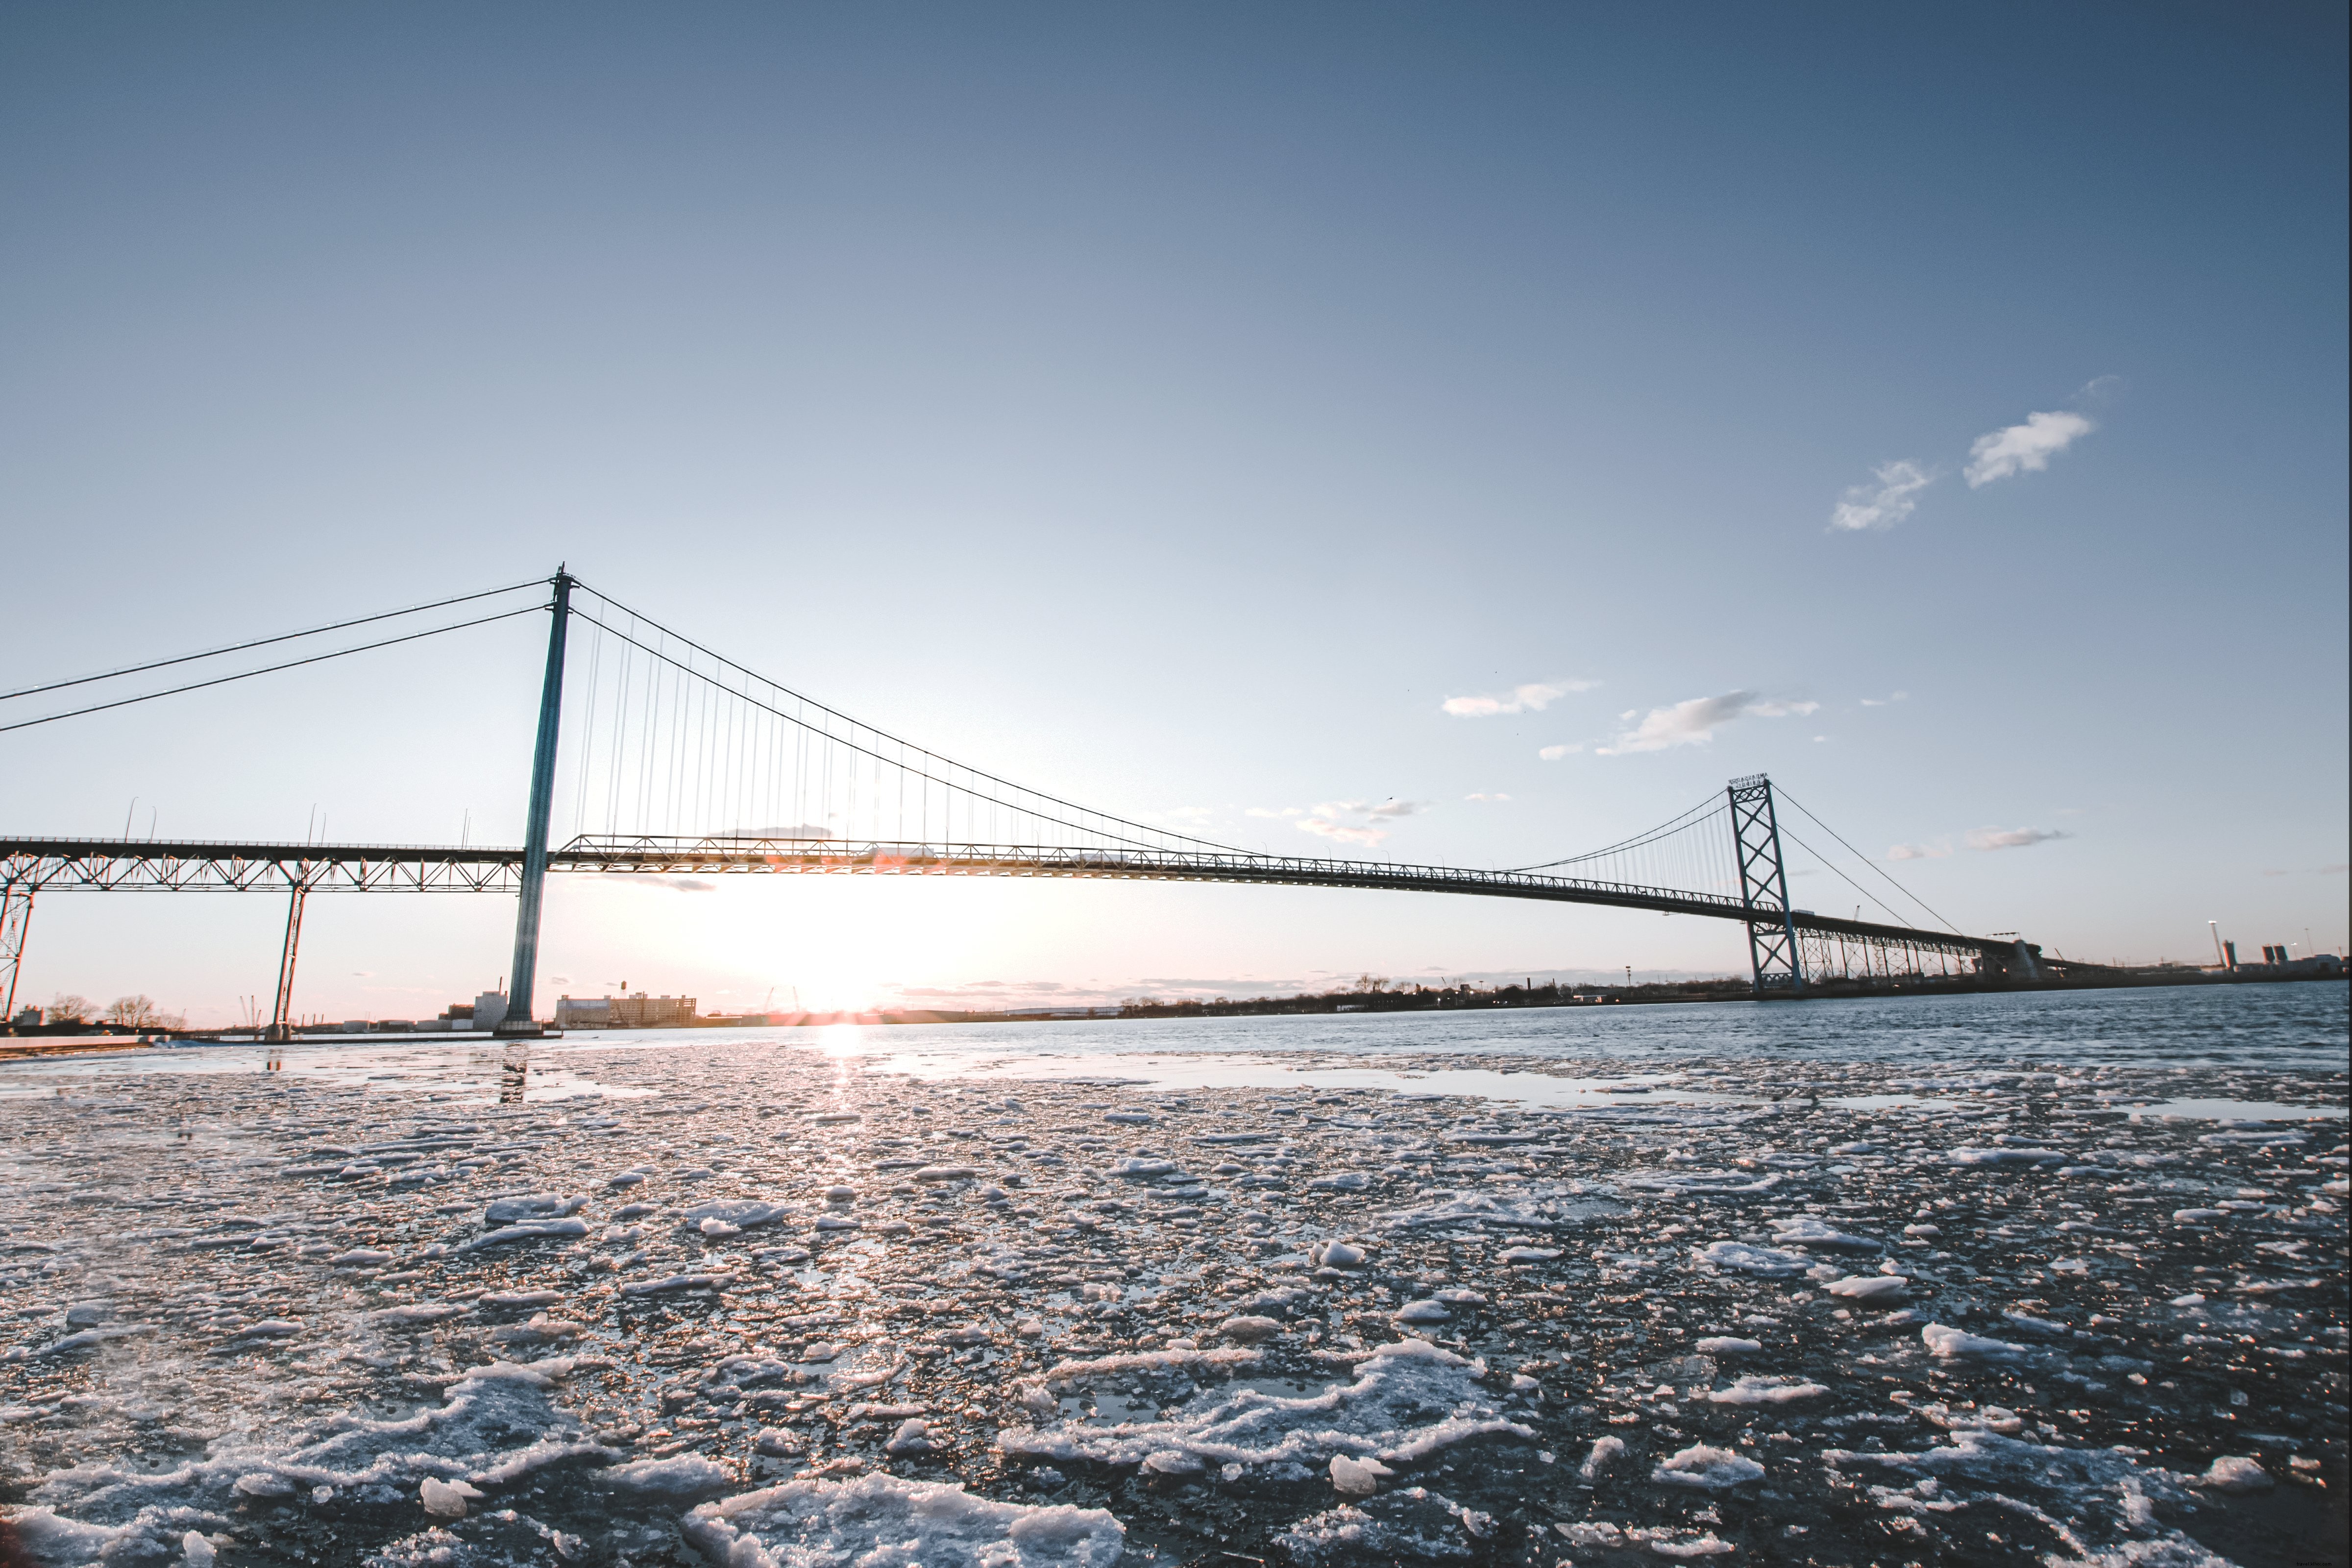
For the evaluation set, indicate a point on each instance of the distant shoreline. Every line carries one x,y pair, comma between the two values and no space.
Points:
53,1040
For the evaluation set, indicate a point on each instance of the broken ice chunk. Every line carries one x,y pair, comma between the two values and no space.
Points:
1723,1345
1603,1450
1950,1344
1424,1312
1357,1478
1765,1262
445,1499
1766,1391
742,1213
1248,1330
883,1519
2235,1473
1871,1288
1523,1254
913,1436
2005,1157
1702,1465
530,1206
1806,1231
528,1230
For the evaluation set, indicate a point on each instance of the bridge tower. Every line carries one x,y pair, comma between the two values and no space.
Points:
16,916
517,1019
1772,948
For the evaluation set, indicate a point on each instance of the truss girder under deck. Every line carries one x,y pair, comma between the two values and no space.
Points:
104,865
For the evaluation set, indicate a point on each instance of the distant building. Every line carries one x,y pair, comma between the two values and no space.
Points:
583,1012
27,1018
638,1011
490,1010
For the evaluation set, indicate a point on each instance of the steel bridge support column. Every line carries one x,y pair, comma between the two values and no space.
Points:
517,1019
1772,949
15,917
281,1019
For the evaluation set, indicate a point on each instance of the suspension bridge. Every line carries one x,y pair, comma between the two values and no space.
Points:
670,759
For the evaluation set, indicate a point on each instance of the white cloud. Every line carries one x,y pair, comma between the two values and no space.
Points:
2023,448
1885,503
1883,702
1532,697
1355,821
1695,722
1554,753
1920,852
2012,837
1487,797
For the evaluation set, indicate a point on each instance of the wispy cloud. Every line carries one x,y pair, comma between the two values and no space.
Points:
1357,821
1887,699
1693,723
1919,851
1554,753
1487,797
2012,837
1532,697
2023,448
1893,498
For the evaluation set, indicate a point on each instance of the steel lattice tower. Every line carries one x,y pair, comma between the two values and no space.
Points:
1764,890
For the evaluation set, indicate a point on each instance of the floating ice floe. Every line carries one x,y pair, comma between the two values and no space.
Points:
1543,1205
1880,1288
675,1282
2005,1157
1702,1465
2235,1473
495,1428
1408,1400
1413,1525
1950,1344
1803,1230
528,1230
743,1214
1765,1262
1766,1391
1703,1184
1723,1344
530,1206
883,1522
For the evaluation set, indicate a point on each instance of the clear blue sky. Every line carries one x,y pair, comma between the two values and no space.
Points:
1176,407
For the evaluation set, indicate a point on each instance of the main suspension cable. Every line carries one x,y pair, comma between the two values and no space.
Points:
261,642
1866,861
272,668
856,724
1649,836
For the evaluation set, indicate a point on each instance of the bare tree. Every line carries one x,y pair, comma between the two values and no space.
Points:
134,1012
64,1008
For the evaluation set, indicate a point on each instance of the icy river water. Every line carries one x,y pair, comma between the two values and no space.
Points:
2010,1279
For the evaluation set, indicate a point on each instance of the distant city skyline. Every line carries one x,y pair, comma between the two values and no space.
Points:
1464,438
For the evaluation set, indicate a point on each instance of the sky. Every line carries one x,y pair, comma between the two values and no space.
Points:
1514,420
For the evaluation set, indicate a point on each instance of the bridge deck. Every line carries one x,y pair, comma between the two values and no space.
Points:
116,865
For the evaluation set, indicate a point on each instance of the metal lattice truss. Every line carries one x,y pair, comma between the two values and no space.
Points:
98,865
158,866
1772,947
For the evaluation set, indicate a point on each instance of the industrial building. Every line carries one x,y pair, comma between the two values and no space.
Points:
637,1010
